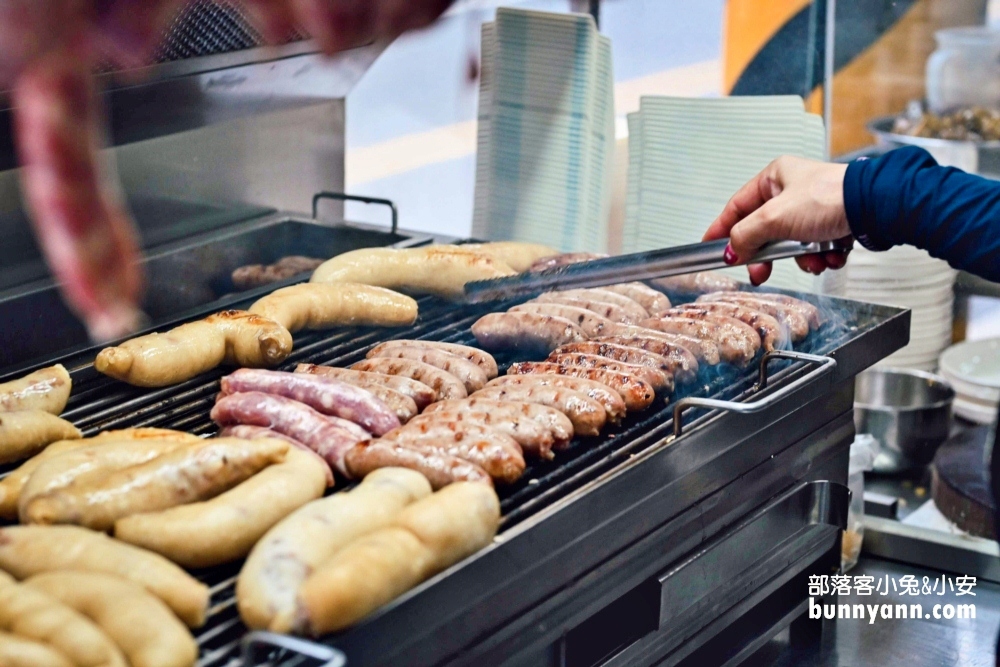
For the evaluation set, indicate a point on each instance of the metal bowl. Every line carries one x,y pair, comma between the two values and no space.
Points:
907,411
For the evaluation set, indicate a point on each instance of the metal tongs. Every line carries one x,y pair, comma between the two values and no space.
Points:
648,265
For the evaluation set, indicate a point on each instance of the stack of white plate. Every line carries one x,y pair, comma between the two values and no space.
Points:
546,131
973,369
907,278
688,156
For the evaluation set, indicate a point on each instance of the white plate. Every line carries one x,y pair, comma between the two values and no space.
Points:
975,366
974,410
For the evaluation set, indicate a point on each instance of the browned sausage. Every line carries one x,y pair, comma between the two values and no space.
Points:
443,383
439,469
594,304
527,332
418,392
772,334
705,351
731,329
480,358
556,423
734,346
654,302
588,416
678,364
468,373
613,402
493,451
545,263
794,319
684,360
810,311
697,283
657,379
636,394
589,322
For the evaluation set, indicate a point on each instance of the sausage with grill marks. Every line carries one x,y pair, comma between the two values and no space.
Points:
554,261
420,394
246,432
588,416
734,344
480,358
772,334
557,426
595,304
793,319
657,379
636,394
631,306
323,394
493,451
682,365
684,362
733,327
614,403
440,469
809,311
705,351
589,322
468,373
526,332
532,436
654,302
330,437
443,383
697,283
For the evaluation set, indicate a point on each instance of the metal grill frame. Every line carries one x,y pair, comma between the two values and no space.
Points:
530,506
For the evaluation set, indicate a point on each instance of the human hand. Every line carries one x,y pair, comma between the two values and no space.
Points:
47,52
791,199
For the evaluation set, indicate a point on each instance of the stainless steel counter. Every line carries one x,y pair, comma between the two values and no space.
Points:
923,642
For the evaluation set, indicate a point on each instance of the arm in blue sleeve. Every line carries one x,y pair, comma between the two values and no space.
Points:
904,197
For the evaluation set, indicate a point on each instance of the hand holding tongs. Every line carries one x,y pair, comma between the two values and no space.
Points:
636,266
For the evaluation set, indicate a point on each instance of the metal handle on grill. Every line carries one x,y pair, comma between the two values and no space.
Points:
824,366
340,196
271,640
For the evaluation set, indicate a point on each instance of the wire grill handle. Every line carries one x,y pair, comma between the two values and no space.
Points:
824,366
266,641
340,196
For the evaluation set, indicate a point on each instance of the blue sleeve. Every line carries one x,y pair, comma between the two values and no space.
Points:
904,197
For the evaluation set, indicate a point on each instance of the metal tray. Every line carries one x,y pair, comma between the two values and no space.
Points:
183,277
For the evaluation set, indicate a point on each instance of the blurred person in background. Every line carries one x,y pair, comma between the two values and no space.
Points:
48,50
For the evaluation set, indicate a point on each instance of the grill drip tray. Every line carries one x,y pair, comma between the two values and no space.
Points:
183,279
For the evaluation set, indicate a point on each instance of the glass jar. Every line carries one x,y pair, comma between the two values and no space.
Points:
863,452
965,69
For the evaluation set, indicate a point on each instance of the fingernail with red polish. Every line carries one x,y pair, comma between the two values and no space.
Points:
729,257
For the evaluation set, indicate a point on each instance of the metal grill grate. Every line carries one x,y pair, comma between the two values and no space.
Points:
99,403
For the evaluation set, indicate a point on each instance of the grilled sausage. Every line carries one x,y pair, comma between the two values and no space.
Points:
588,416
326,395
232,337
606,295
493,451
558,425
734,328
654,302
772,334
636,394
595,303
734,346
657,379
480,358
191,473
443,383
437,269
24,433
518,255
46,389
246,432
555,261
468,373
809,311
420,394
526,332
440,469
532,436
327,305
589,322
697,283
684,362
257,275
705,351
793,319
614,404
330,437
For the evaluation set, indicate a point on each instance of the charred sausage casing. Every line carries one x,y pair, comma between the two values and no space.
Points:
636,394
705,351
556,423
655,378
734,345
527,332
533,436
480,358
683,365
443,383
588,416
615,405
773,335
794,319
493,451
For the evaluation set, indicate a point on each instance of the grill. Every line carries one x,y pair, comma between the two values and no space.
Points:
554,531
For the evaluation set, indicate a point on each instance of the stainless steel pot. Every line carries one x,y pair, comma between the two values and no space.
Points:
907,411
